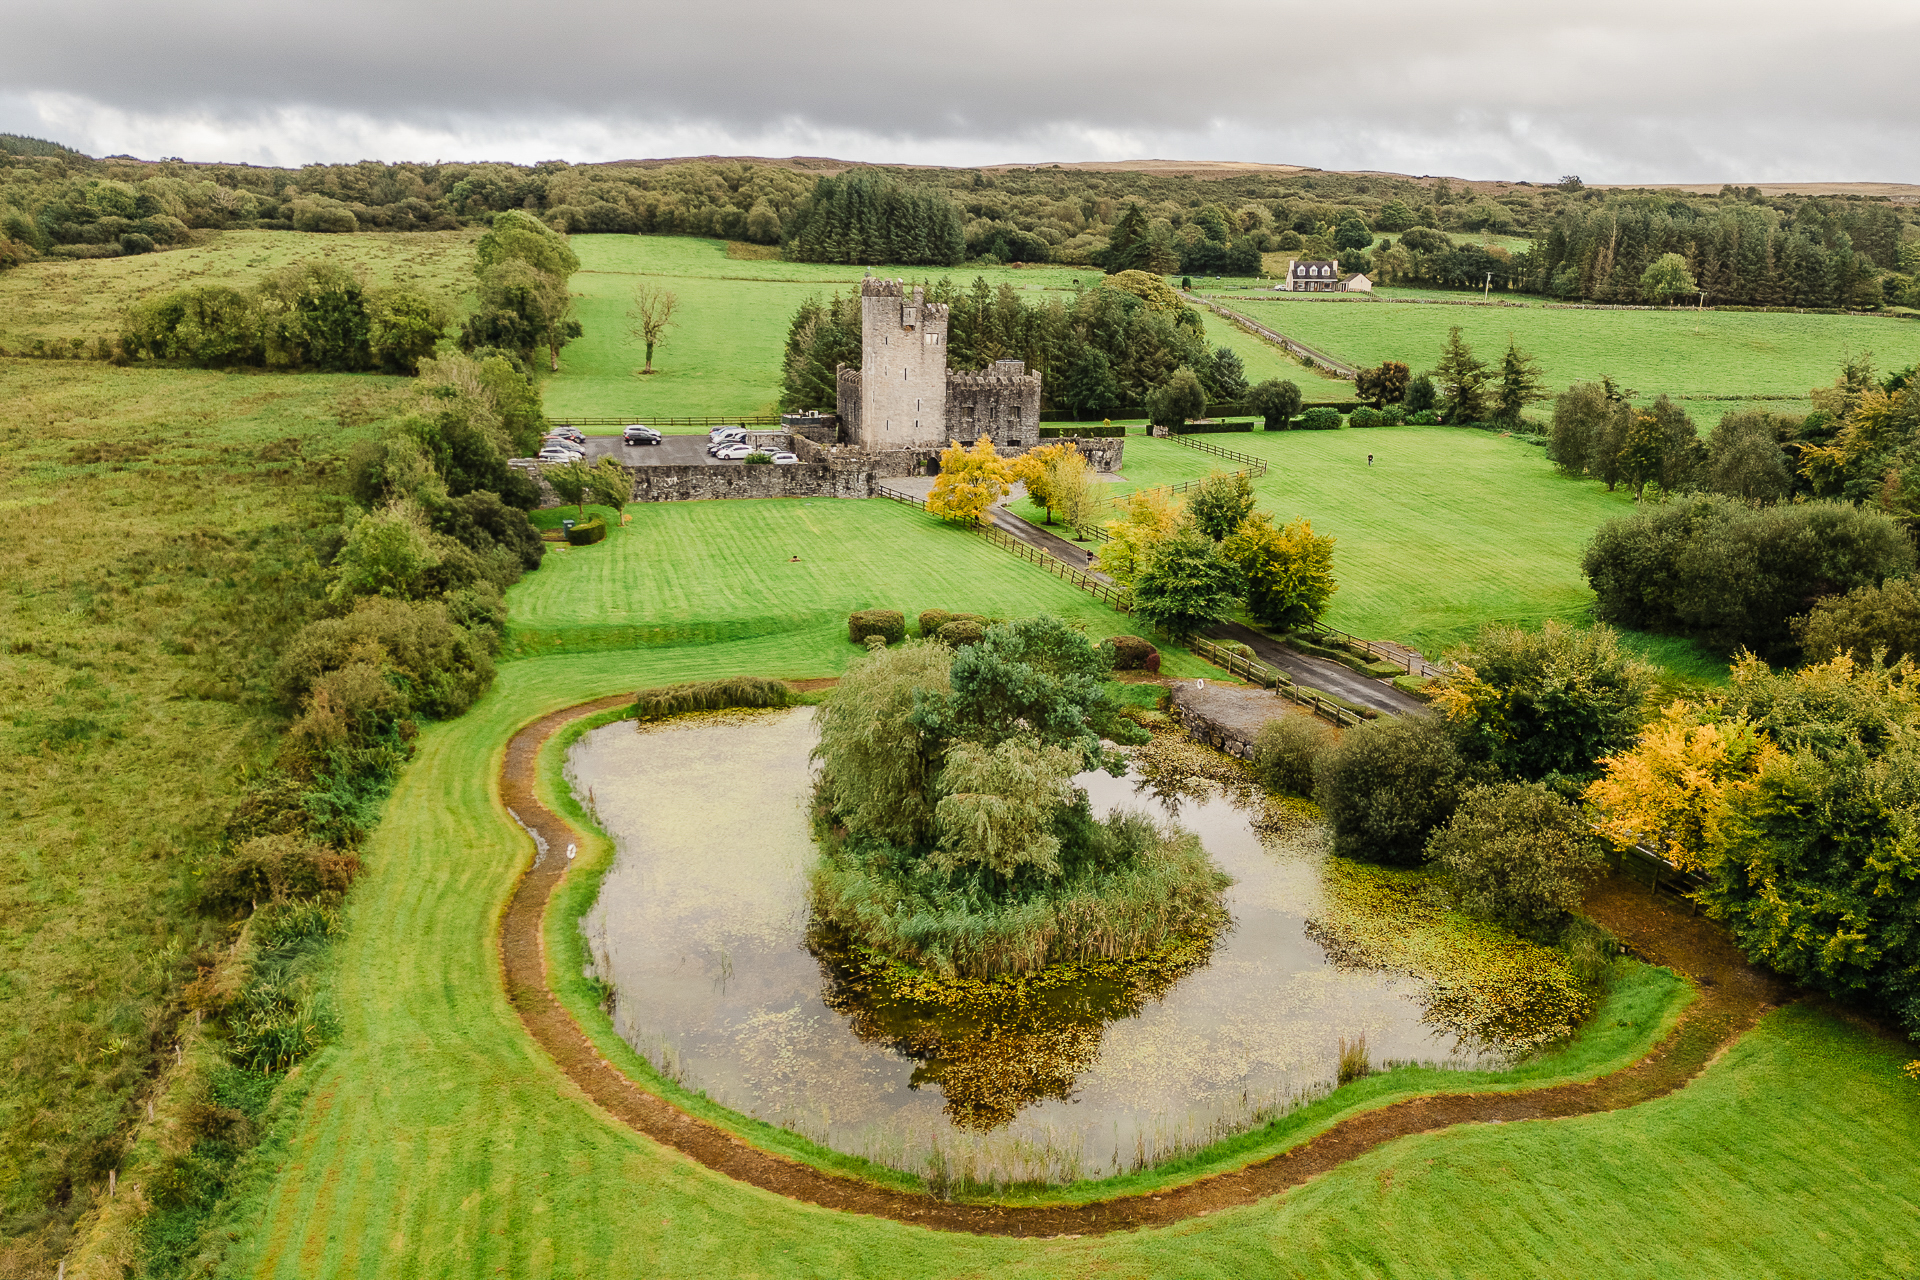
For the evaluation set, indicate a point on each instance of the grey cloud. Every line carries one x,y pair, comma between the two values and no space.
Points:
1639,91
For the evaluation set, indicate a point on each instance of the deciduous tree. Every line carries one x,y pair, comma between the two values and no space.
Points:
1186,584
970,482
1219,503
1275,401
1287,572
651,314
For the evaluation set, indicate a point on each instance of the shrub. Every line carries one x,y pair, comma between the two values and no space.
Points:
1732,575
889,624
274,867
1387,785
1862,623
932,620
587,532
1393,415
439,666
757,459
1131,653
1366,416
961,632
1320,418
710,695
1285,750
134,242
1518,854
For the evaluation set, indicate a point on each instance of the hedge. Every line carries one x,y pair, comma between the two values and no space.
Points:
1131,653
587,532
889,624
710,695
961,632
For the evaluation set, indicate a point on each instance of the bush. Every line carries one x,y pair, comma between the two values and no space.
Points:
1730,574
1393,415
758,459
1366,416
1131,653
961,632
1285,751
1863,622
1320,419
1423,418
587,532
710,695
439,666
888,624
1518,854
932,620
134,242
275,867
1387,785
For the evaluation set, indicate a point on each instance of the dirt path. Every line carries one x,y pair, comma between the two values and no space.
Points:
1733,996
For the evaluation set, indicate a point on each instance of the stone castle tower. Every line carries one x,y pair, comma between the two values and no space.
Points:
901,396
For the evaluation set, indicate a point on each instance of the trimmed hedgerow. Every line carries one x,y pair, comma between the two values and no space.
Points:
710,695
587,532
1131,653
888,624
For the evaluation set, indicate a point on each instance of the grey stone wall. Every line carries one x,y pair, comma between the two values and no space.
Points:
1001,402
697,483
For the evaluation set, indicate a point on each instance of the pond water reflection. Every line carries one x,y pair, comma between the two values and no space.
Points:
702,929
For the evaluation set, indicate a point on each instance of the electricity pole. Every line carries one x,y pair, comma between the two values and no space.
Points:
1487,292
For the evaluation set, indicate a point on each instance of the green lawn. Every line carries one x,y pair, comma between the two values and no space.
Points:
435,1139
686,573
1448,528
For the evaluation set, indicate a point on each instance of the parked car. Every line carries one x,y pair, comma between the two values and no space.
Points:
561,442
733,452
556,454
569,433
715,448
638,434
720,435
783,458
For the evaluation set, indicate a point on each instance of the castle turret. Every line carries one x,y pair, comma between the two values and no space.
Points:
898,399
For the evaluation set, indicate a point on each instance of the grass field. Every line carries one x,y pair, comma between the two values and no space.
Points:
1652,352
716,572
435,1139
83,299
1447,528
140,513
723,355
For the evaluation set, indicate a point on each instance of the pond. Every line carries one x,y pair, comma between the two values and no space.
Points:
701,928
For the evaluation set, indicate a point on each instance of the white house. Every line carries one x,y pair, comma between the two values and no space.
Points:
1310,276
1356,283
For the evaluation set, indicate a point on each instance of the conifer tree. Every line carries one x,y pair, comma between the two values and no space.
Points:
1520,385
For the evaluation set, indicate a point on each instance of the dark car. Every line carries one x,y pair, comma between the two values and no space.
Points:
637,434
570,433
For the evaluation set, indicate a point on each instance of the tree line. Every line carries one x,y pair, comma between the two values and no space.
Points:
53,200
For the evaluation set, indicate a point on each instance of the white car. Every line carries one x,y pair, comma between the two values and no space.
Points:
733,452
556,454
721,435
784,459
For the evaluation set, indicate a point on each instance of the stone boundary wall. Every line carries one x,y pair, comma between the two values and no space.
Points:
696,483
1225,717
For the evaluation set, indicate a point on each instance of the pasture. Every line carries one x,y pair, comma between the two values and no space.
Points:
723,354
1682,353
134,687
63,298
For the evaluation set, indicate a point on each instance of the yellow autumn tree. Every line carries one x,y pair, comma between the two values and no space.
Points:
971,481
1033,469
1146,519
1671,788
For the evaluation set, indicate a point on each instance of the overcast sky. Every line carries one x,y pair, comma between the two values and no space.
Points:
1615,91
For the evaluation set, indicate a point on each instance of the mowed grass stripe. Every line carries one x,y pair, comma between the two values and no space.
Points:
716,572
